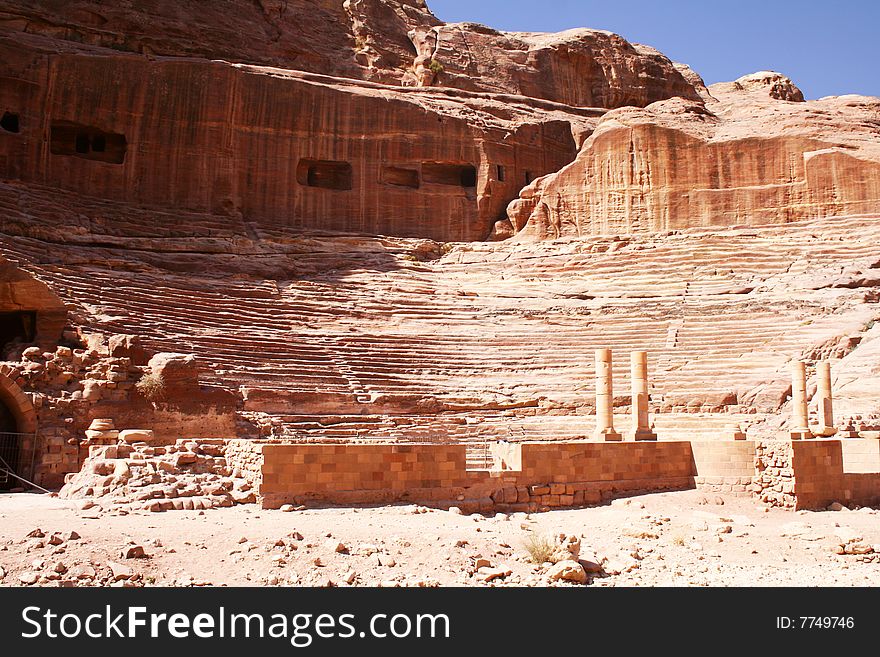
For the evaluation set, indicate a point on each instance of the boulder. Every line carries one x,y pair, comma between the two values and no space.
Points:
179,373
566,547
567,571
132,436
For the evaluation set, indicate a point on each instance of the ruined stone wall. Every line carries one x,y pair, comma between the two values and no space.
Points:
552,474
774,479
245,460
809,474
724,466
275,148
69,387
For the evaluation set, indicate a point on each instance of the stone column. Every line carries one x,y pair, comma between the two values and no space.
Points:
823,394
639,373
604,398
799,422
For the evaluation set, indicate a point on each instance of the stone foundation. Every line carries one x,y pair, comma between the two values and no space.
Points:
547,475
810,474
725,466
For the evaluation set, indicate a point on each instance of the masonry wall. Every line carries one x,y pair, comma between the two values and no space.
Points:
820,477
552,474
862,455
724,466
811,474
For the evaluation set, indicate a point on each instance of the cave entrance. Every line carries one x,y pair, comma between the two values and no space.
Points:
400,177
326,174
458,175
68,138
17,327
10,448
18,433
9,122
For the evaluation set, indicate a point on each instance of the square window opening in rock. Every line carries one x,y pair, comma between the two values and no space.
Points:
68,138
460,175
9,122
325,174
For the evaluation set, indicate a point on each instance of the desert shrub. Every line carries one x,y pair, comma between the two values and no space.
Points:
540,548
435,66
151,386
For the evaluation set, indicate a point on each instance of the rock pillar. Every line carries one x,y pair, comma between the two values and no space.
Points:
799,426
604,397
823,394
639,373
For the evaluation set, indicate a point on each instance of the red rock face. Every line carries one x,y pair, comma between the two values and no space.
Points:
582,67
93,114
743,158
275,147
388,41
251,182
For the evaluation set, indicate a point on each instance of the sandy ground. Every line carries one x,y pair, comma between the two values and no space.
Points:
680,539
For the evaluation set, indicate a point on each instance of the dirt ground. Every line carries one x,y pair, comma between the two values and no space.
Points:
670,539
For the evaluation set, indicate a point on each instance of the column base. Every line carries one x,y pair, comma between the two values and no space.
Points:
825,432
608,435
644,434
804,434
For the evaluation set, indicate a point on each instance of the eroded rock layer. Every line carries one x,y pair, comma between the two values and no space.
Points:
265,219
318,338
749,155
272,146
389,41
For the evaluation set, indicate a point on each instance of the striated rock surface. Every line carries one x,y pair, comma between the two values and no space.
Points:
389,41
751,154
580,67
266,219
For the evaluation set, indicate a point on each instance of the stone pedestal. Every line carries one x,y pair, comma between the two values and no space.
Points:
799,423
641,427
101,431
736,433
604,398
823,395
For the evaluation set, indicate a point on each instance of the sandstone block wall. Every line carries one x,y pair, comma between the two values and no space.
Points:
861,455
552,475
724,466
810,474
820,477
362,473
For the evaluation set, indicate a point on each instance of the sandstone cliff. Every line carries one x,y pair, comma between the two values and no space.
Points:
389,41
271,189
752,153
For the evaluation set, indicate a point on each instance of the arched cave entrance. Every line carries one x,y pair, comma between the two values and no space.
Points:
10,449
16,328
18,427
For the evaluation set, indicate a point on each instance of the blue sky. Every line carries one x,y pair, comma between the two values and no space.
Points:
828,48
